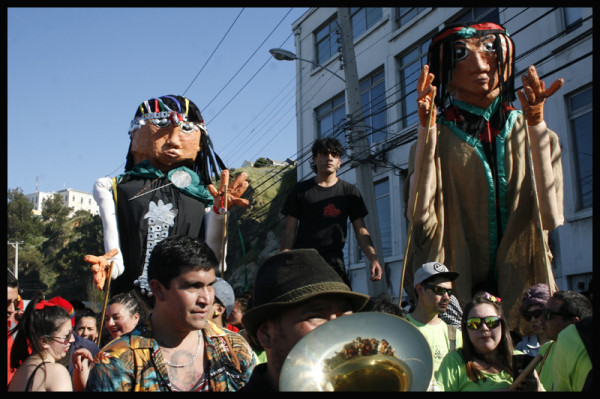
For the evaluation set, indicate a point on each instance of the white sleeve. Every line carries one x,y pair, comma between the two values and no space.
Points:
215,225
104,197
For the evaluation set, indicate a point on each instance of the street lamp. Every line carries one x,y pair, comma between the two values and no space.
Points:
284,55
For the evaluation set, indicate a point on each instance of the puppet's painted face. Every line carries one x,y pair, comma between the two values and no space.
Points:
167,147
475,78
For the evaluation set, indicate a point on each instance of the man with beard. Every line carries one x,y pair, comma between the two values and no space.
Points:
433,287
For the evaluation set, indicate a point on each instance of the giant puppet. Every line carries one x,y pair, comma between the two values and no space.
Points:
166,190
471,198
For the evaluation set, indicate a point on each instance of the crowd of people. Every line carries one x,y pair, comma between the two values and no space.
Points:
476,294
188,341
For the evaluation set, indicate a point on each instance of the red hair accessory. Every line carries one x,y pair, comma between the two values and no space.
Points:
42,304
66,305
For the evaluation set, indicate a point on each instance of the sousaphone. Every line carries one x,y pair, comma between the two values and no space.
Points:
367,351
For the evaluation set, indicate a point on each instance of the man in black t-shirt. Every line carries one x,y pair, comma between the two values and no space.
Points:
317,211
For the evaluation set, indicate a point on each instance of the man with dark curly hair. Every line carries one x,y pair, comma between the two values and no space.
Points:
317,211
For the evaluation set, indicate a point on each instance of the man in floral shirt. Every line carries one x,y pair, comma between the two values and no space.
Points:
177,349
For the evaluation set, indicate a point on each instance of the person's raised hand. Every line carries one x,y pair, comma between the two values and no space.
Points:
425,96
534,94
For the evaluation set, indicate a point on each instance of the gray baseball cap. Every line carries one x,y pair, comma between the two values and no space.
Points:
431,269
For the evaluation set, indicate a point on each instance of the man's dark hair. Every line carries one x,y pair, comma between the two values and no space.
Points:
574,304
326,145
177,254
11,280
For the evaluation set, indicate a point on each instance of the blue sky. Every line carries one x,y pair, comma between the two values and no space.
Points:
75,77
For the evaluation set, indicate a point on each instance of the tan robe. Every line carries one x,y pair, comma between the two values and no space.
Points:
457,232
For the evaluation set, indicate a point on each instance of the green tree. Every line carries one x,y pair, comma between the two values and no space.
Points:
73,274
25,227
261,163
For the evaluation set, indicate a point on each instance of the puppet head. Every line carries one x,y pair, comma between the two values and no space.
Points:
452,46
169,131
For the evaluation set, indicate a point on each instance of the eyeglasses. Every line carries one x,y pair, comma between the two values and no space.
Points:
534,313
549,314
439,290
491,322
62,340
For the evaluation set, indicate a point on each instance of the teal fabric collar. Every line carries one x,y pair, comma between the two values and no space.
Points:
485,113
195,189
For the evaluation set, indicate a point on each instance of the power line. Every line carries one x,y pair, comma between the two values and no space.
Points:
248,60
218,45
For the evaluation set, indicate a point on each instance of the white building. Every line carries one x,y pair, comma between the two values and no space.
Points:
74,199
391,45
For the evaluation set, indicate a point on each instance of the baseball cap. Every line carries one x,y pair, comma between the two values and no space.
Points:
431,269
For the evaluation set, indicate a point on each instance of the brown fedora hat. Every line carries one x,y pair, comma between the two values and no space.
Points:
291,277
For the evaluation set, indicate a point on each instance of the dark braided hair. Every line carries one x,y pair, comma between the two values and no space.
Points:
207,162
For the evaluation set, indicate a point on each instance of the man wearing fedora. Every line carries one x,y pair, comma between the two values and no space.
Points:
433,287
296,291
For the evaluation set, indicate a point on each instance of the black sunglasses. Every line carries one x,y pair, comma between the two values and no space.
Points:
550,314
439,290
534,313
475,323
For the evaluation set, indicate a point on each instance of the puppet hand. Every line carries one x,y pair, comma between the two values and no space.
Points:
100,266
425,95
534,94
234,191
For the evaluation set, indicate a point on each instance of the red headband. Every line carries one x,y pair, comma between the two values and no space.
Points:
42,304
484,26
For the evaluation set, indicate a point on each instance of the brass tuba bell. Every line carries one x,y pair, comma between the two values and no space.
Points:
368,351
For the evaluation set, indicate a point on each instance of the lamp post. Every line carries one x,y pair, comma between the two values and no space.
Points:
15,244
284,55
360,146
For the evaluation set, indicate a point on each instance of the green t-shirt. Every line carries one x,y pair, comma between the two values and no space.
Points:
571,362
452,377
544,367
437,338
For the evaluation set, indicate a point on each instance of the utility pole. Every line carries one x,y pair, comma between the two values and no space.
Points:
15,244
360,144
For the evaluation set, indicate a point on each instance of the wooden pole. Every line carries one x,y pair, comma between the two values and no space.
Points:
224,234
108,278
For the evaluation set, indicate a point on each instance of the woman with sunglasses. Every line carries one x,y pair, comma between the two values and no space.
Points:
533,323
484,363
45,334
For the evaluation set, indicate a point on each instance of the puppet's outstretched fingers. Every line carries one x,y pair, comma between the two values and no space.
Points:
558,83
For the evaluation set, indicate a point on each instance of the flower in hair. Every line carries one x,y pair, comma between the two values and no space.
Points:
492,298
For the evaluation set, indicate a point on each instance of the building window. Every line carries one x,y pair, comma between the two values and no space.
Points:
326,40
405,14
572,17
384,216
580,118
372,91
330,119
487,14
363,18
410,68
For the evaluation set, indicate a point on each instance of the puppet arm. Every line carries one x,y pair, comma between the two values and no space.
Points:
215,225
422,180
104,197
545,179
533,97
